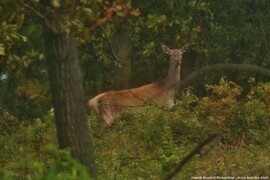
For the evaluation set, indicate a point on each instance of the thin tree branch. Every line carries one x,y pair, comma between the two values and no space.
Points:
137,96
110,43
38,14
221,67
6,125
144,101
195,151
28,7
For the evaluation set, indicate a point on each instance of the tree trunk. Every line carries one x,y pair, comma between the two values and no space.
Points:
121,47
188,64
67,92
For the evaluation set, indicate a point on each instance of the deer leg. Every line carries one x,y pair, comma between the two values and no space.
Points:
107,116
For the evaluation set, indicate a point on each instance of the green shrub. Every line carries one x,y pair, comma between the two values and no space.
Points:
252,122
59,164
150,141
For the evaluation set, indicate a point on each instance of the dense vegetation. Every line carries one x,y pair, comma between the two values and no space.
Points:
119,47
149,143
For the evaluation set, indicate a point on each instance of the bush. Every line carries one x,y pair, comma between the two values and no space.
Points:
150,141
252,122
59,164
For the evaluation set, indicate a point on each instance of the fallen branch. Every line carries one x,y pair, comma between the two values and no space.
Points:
195,151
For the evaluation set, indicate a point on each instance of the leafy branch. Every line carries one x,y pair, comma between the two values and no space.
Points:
109,43
38,14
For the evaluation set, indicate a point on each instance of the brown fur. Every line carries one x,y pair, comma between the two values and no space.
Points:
111,104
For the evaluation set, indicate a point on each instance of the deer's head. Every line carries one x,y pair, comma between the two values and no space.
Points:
176,55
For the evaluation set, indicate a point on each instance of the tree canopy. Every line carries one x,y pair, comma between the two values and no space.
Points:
115,44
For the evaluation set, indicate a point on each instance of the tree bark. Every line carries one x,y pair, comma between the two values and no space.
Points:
67,92
121,47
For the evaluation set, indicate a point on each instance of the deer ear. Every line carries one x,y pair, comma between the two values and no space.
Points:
185,47
166,49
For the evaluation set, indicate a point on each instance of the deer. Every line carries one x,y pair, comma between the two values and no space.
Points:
111,104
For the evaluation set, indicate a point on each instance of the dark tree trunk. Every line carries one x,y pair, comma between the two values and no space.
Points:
67,92
188,64
121,46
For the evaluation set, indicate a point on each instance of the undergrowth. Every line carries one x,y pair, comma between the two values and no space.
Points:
149,143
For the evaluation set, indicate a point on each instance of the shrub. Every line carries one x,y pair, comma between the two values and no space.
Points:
150,141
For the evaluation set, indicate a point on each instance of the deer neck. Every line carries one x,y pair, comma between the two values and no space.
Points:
173,77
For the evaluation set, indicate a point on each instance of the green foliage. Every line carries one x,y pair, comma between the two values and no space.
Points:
253,116
63,166
240,120
150,141
27,152
24,87
220,32
142,138
59,164
231,32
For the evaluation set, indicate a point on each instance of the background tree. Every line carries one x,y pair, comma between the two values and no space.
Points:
121,48
65,79
66,85
211,27
220,32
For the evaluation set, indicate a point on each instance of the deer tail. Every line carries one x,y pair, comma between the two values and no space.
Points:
93,104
